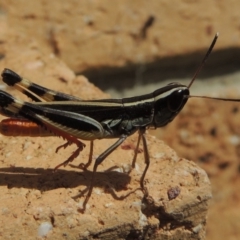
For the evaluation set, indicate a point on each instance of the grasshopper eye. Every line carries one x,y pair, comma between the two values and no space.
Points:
175,101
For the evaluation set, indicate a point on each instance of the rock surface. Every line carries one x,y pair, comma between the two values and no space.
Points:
34,36
35,202
207,132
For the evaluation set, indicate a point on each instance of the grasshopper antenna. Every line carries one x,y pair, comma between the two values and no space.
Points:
200,68
204,60
216,98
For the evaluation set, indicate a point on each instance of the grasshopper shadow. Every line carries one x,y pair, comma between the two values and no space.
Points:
46,179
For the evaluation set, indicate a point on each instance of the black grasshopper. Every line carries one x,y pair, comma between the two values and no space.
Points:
72,118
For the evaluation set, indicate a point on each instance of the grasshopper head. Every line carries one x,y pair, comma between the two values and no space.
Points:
167,107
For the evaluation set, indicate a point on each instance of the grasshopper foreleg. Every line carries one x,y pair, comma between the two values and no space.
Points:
147,162
146,159
136,149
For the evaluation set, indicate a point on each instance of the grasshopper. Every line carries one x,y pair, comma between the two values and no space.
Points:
74,119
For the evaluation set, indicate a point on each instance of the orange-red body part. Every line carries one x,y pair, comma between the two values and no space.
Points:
16,127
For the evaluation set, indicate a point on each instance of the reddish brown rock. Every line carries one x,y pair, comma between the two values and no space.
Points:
207,131
34,201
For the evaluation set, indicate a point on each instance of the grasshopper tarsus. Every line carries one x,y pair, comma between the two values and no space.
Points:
84,166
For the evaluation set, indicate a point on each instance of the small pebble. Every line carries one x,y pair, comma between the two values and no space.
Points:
44,228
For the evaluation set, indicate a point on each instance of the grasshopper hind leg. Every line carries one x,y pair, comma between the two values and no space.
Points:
75,154
84,166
